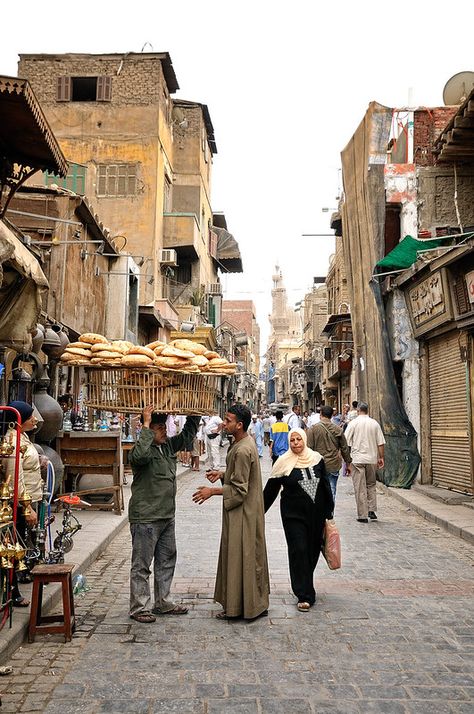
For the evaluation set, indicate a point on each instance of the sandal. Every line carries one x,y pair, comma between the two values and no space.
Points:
221,615
20,602
303,606
177,610
143,617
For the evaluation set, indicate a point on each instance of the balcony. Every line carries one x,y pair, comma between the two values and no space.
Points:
181,232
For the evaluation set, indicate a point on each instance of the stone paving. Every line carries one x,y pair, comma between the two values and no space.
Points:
391,632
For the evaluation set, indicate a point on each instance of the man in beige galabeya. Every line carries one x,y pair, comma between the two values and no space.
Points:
367,443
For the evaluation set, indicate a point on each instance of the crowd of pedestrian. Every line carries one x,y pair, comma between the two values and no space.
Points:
309,451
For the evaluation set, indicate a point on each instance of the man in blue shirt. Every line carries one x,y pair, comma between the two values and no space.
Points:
278,437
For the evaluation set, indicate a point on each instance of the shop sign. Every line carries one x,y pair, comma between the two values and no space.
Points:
470,285
427,301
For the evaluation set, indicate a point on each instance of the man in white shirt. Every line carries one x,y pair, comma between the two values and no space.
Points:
212,428
313,419
367,442
293,418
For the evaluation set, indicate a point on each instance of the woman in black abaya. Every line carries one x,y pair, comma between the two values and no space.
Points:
306,501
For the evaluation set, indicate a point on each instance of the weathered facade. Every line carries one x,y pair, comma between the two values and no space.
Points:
145,161
314,311
402,215
338,383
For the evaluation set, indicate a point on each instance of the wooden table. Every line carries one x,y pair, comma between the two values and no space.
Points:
93,452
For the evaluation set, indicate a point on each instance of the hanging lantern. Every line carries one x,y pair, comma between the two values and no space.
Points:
20,386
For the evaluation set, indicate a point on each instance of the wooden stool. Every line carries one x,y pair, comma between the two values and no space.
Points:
43,574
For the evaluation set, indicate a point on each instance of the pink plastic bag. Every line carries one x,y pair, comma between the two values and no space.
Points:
332,545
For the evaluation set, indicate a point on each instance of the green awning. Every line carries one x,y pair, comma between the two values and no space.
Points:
406,253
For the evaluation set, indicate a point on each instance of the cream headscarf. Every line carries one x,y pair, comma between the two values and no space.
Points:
288,461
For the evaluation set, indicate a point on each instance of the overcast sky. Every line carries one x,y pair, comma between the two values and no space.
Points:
286,85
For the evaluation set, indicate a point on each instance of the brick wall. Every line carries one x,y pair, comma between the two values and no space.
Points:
239,314
139,82
428,125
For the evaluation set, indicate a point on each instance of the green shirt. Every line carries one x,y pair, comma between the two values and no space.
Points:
154,473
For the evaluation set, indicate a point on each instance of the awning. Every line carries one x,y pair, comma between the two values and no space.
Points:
334,320
228,253
25,135
405,253
22,286
456,141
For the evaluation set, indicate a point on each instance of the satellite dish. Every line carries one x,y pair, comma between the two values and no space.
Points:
458,88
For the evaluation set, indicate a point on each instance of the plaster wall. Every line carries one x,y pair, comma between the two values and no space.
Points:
436,186
401,189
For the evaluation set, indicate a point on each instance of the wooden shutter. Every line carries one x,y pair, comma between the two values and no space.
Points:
63,89
451,459
461,295
104,89
212,244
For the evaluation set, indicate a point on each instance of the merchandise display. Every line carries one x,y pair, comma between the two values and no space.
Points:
180,355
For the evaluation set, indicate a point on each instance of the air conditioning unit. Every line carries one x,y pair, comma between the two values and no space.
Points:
214,289
168,256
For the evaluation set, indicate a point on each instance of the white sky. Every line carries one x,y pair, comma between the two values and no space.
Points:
286,85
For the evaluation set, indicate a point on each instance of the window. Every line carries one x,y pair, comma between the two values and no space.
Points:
74,181
167,196
84,89
116,180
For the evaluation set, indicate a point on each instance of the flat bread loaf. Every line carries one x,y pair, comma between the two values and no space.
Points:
105,354
157,343
136,360
211,355
172,362
71,357
82,345
78,351
173,352
194,347
106,361
92,338
139,350
200,361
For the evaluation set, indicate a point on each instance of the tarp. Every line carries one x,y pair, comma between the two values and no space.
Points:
405,253
363,238
22,284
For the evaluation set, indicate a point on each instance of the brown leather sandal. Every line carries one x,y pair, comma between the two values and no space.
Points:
143,617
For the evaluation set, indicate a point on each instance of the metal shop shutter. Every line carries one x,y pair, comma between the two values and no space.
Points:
451,460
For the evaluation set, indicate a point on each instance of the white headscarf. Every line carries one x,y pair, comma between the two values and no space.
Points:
288,461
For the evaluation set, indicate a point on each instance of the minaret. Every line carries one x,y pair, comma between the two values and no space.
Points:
279,318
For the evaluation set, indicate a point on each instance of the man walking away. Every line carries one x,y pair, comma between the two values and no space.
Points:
329,440
267,425
242,582
279,431
151,514
312,419
367,443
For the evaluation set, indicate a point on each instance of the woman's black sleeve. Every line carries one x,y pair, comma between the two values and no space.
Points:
270,492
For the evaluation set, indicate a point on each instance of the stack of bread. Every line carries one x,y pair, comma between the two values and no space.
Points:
182,355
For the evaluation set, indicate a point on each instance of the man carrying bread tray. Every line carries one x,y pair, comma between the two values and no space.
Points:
151,513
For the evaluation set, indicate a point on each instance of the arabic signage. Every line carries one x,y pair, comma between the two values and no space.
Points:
429,303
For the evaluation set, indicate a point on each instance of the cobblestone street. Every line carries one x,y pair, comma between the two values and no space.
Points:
392,631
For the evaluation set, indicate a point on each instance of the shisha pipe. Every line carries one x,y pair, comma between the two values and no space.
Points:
50,481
